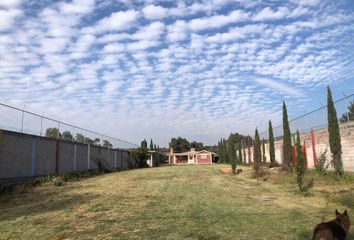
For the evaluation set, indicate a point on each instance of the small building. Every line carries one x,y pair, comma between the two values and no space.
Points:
191,157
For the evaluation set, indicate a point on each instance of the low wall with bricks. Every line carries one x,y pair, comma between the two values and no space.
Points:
321,144
24,155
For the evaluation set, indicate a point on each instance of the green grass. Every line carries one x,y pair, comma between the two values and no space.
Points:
180,202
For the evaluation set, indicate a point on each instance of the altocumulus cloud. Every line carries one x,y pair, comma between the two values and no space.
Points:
162,69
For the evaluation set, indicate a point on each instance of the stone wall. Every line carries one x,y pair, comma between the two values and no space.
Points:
24,155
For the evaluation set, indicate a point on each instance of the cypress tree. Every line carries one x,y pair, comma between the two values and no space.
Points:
271,145
300,163
233,157
231,150
151,145
256,154
249,143
240,152
244,150
287,148
334,135
264,159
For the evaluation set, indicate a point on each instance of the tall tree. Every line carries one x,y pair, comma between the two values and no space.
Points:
231,151
300,163
271,145
233,157
264,158
197,145
67,136
349,114
144,144
180,144
244,150
256,154
249,143
334,135
151,145
52,133
240,151
106,143
80,138
287,148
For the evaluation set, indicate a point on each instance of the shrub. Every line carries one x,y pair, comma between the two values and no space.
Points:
322,167
57,181
300,163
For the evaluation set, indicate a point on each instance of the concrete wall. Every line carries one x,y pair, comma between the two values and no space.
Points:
321,144
23,155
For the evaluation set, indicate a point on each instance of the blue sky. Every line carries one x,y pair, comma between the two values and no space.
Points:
161,69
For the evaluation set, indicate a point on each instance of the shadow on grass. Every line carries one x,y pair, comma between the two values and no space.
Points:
46,200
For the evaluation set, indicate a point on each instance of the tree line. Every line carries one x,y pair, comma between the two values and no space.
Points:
300,163
80,138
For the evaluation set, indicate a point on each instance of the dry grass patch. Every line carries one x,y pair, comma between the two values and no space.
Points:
189,202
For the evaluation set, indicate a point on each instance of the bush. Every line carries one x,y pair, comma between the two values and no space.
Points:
57,181
322,167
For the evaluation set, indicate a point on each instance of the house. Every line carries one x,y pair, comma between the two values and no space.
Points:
191,157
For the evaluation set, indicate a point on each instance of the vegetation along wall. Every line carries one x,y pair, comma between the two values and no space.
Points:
321,144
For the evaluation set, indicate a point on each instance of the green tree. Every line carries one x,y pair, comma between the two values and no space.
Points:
334,135
264,158
349,114
271,145
80,138
180,144
240,152
67,136
287,148
97,141
151,145
233,158
106,143
244,150
144,144
139,156
256,154
52,133
300,163
197,145
249,144
231,150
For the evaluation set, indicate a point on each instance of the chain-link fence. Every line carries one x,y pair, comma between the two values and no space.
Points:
20,120
316,119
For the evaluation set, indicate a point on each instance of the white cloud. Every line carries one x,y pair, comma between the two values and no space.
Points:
217,21
9,3
268,14
7,18
178,31
153,12
278,86
309,2
77,7
152,31
117,21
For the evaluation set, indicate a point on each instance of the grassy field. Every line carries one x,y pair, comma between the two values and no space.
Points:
186,202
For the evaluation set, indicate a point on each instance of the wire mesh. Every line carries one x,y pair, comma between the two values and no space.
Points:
23,121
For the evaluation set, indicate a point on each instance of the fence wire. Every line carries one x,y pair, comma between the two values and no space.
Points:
23,121
316,119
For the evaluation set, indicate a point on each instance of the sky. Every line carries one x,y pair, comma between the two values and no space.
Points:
162,69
